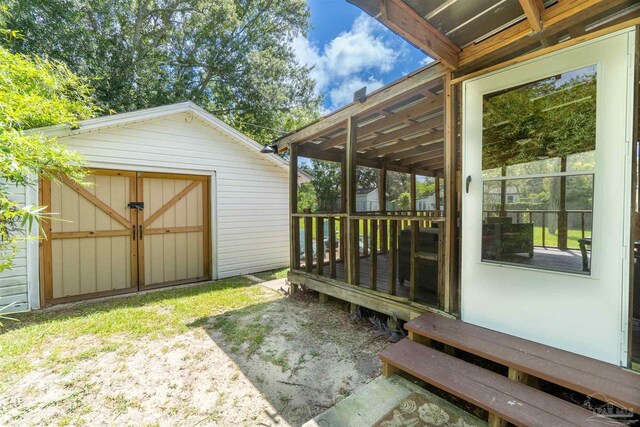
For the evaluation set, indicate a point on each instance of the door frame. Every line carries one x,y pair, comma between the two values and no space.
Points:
625,285
44,285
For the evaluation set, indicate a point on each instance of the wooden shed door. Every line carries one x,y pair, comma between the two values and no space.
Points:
174,220
90,249
100,244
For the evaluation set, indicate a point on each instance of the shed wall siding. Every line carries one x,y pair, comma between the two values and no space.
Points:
14,282
249,192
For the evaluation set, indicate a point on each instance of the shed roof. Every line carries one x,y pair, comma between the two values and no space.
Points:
115,120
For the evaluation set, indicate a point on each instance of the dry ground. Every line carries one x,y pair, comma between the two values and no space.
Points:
225,353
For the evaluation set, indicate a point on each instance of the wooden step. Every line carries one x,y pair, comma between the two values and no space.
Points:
510,400
579,373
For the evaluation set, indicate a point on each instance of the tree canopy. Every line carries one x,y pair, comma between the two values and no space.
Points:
34,93
232,57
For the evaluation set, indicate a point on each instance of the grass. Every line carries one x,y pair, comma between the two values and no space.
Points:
551,240
48,338
273,274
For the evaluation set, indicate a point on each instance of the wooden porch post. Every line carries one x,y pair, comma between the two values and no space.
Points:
352,225
294,223
563,217
448,271
382,207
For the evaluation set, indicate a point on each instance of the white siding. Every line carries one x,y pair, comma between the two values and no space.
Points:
14,282
249,192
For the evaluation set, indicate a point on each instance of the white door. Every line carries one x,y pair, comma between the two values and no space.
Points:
546,192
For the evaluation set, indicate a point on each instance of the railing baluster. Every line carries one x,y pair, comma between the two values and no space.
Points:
343,236
393,255
544,229
373,264
296,243
308,243
415,232
332,247
365,237
582,223
319,245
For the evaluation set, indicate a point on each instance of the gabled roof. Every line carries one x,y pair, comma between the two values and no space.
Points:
115,120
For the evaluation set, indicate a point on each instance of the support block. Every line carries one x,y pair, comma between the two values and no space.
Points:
420,339
324,298
389,370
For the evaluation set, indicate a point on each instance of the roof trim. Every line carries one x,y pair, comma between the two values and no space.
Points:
115,120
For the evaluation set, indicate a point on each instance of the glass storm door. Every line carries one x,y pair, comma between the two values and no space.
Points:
545,212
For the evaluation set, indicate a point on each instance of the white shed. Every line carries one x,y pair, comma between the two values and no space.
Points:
177,196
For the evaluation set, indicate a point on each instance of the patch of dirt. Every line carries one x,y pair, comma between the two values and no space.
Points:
308,358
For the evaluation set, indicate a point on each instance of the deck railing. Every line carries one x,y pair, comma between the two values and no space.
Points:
540,218
363,250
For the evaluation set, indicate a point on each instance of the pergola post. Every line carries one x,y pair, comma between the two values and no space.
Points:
352,225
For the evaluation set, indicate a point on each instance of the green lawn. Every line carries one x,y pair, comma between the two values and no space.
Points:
272,274
46,339
551,240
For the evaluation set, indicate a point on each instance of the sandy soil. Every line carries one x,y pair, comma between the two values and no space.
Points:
311,356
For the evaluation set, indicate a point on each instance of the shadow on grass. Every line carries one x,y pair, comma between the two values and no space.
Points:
88,308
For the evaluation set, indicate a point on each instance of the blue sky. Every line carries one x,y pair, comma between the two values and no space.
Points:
348,49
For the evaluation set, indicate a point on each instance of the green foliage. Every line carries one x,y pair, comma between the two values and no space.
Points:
404,201
307,199
233,57
326,180
34,92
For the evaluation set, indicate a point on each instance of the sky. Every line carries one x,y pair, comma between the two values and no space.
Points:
348,49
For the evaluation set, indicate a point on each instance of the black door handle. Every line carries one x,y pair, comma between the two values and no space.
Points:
140,233
468,182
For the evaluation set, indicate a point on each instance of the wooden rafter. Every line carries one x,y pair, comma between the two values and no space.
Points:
421,80
402,133
427,150
422,108
403,20
557,18
422,141
421,157
532,10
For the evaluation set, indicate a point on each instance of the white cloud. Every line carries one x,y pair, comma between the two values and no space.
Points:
426,60
343,94
337,65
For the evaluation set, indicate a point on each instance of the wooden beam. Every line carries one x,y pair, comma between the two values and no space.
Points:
403,20
422,108
532,11
419,80
416,151
550,49
557,18
405,144
421,157
431,164
401,133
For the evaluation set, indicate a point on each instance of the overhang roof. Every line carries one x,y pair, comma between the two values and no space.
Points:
469,34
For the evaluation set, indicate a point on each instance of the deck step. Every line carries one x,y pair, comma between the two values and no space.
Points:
585,375
511,401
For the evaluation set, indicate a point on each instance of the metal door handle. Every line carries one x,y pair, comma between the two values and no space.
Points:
468,182
133,233
140,233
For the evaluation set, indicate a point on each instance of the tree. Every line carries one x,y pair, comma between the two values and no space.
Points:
34,93
232,57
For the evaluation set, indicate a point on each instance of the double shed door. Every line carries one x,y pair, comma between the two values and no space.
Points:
124,231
